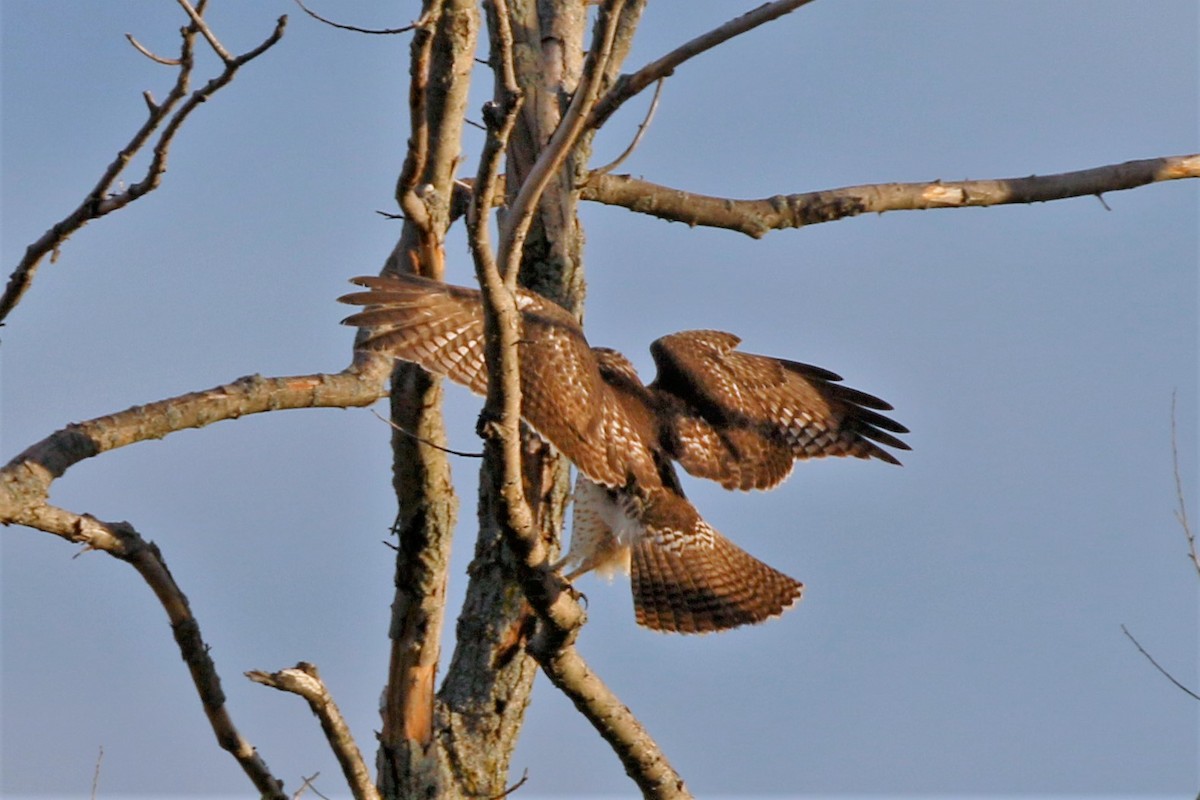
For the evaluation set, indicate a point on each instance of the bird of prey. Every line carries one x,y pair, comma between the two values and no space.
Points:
733,417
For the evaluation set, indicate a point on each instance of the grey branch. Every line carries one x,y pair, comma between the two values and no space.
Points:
304,680
756,218
101,200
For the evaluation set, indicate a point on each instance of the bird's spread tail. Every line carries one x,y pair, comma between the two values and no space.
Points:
697,581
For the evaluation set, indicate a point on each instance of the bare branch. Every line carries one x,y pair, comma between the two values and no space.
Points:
206,32
100,201
25,480
756,218
1181,512
641,131
355,29
169,62
428,443
96,773
121,541
629,85
305,680
1158,666
410,761
643,760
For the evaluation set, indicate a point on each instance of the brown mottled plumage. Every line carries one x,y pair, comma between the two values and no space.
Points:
736,418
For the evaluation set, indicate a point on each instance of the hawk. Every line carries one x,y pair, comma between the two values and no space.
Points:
736,418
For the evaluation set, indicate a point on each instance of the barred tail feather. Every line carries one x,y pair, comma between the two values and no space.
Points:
698,589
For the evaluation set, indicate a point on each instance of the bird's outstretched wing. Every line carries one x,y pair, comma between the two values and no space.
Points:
742,419
441,327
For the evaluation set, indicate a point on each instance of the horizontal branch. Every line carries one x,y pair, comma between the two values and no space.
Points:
25,480
304,680
757,217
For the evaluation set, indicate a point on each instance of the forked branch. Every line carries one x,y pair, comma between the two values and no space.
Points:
101,200
756,218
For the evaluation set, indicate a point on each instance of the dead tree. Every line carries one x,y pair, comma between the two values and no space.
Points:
558,73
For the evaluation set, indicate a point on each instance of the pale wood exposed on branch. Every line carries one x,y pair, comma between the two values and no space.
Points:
756,218
411,759
305,680
101,200
628,86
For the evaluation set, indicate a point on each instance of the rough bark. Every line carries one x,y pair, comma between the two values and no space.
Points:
410,762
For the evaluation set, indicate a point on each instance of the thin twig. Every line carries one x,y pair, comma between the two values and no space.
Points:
514,787
629,85
170,62
96,773
1157,666
1181,512
641,131
395,426
355,29
308,783
756,218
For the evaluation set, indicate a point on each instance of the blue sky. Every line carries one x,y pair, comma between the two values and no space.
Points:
960,630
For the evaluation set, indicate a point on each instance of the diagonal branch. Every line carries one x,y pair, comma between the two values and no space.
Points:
1158,666
548,594
629,85
304,680
756,218
121,541
100,201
